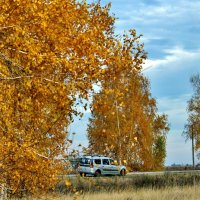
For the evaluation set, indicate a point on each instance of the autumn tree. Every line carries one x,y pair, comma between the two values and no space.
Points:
51,54
192,128
124,123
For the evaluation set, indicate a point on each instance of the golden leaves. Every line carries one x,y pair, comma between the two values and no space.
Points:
68,183
51,54
126,110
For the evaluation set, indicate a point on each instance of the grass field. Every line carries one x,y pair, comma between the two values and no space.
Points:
132,187
172,193
116,183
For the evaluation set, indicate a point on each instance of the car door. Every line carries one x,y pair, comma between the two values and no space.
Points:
85,165
106,167
114,167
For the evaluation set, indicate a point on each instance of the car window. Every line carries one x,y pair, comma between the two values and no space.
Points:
106,162
97,161
84,161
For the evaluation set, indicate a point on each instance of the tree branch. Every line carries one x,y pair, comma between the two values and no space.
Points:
15,78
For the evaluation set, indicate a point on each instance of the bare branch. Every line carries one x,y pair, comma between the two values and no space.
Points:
14,78
22,77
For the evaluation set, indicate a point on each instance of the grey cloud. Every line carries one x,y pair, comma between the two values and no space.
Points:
170,75
175,21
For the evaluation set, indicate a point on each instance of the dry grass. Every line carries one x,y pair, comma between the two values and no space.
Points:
132,182
176,193
134,187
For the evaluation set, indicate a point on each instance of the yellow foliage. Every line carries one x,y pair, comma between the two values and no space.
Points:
50,51
133,127
51,54
68,183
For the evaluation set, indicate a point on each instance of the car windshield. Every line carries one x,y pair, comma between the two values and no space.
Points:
85,161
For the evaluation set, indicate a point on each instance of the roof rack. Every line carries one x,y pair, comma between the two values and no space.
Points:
97,155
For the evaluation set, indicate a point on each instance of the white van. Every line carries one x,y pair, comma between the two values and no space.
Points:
99,165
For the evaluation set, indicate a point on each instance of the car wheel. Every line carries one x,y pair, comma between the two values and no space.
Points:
123,172
97,173
82,174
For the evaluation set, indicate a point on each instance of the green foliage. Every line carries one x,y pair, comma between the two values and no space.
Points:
159,152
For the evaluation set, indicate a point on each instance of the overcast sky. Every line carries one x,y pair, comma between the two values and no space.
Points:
171,35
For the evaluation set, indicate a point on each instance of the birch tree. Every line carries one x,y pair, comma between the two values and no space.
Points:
51,54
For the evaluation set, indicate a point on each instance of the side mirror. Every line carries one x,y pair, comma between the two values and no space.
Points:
115,162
